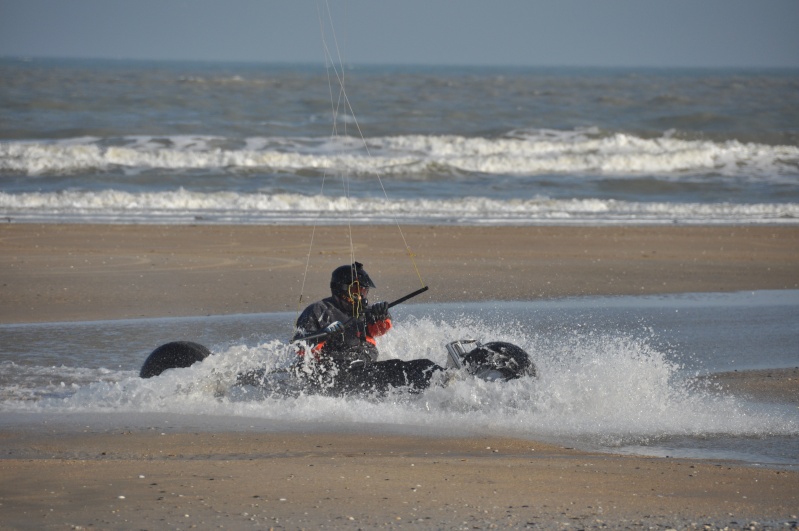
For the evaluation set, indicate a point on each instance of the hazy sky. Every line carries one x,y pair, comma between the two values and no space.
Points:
723,33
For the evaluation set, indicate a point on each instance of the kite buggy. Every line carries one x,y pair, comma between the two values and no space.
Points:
337,354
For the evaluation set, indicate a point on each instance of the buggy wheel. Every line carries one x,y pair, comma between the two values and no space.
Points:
174,355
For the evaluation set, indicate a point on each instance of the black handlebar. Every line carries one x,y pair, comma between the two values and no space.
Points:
408,296
338,326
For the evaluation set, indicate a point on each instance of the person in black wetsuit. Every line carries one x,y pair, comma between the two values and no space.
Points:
346,360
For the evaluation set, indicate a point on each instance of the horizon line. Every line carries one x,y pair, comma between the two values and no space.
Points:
395,64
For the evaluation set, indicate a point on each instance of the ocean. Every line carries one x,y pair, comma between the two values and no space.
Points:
199,143
136,142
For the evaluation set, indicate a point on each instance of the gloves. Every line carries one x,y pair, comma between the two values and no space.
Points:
334,327
378,312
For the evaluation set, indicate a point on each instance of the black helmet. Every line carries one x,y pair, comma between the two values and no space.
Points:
344,276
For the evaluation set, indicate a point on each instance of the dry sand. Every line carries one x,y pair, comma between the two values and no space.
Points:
71,479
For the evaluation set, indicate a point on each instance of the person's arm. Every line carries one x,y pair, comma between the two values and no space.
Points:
378,320
308,323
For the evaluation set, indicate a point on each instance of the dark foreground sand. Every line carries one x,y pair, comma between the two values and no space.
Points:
125,480
143,479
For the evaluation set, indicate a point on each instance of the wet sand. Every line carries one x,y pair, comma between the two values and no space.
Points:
85,272
73,478
765,385
155,480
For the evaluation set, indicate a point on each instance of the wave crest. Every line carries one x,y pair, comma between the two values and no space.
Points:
412,156
184,206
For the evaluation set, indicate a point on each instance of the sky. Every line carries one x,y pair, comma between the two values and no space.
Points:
603,33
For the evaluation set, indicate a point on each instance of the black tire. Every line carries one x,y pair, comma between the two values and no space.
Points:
506,358
174,355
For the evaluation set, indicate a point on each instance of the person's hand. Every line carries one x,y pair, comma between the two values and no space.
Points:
378,312
334,327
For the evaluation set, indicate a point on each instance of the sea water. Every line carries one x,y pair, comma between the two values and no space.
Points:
619,374
139,142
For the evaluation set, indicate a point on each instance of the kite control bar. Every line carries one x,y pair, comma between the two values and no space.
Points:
408,296
338,326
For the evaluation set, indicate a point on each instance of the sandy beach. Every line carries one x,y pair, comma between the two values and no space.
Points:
86,272
78,478
156,480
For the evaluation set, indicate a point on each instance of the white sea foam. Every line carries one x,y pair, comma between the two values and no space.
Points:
414,163
601,388
183,206
518,153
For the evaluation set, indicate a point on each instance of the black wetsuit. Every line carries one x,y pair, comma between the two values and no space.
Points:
347,361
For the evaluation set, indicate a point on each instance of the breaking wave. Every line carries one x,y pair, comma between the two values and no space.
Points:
183,206
521,153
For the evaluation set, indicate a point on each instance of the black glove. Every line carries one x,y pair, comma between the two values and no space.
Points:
332,328
378,312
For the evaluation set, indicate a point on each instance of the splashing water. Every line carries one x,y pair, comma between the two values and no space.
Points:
595,387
